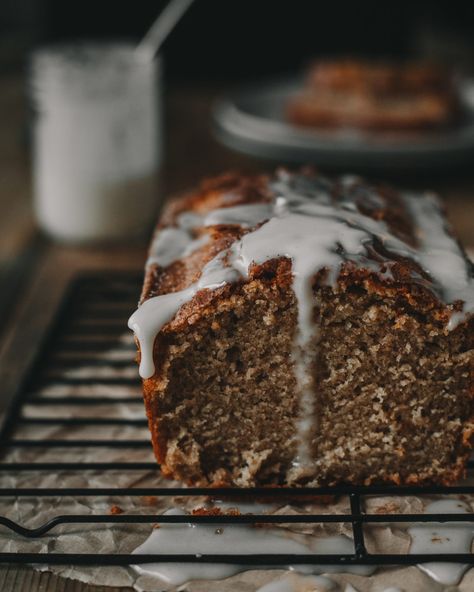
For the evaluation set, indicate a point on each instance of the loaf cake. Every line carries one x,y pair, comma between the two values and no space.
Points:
376,96
297,330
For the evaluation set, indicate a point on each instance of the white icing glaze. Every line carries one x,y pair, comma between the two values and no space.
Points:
243,215
449,537
189,220
350,588
175,242
245,507
304,225
299,584
212,539
169,245
440,255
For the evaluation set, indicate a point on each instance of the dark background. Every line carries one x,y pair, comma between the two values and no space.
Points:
244,39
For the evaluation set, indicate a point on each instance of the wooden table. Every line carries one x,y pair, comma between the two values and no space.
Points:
27,258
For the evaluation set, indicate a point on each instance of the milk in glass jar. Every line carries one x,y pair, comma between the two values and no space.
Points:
97,141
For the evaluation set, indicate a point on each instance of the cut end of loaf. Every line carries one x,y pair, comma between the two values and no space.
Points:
392,400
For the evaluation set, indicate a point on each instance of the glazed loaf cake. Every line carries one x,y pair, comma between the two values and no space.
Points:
296,330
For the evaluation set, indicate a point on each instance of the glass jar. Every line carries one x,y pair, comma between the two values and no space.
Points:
97,141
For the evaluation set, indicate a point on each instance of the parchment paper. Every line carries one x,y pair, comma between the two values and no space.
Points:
103,538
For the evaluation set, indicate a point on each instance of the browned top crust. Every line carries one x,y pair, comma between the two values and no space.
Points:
376,201
225,190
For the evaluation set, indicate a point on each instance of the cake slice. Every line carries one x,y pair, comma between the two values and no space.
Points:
297,330
375,96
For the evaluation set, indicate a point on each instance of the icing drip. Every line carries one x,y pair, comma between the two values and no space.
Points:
449,537
170,244
173,243
300,584
244,507
350,588
150,317
304,237
305,225
246,540
440,255
244,215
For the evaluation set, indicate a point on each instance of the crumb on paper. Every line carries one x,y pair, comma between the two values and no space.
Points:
150,500
438,539
215,512
388,508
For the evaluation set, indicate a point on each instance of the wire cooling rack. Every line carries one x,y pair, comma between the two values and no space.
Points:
91,320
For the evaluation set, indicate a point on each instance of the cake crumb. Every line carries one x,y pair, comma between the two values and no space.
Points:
388,508
150,500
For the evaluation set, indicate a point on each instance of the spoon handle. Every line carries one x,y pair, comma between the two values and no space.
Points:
162,26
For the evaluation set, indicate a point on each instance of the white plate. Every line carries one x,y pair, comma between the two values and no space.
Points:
253,122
